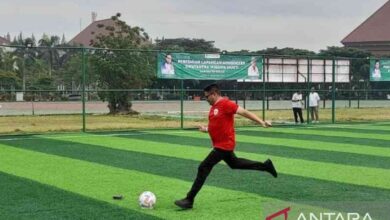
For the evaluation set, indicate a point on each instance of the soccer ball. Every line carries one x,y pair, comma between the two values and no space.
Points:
147,200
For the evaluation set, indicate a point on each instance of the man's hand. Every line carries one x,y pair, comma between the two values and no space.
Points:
203,128
266,124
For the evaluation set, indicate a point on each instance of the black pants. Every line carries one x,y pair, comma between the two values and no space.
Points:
298,111
215,156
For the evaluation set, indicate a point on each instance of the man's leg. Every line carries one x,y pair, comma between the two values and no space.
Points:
312,109
316,113
245,164
204,170
295,115
300,115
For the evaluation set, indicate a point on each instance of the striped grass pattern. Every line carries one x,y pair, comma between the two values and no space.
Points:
73,176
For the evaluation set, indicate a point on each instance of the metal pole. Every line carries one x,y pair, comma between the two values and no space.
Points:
350,91
182,105
83,86
358,101
308,92
264,89
333,89
235,93
244,99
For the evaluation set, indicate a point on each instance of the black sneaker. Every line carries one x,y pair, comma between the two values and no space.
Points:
270,168
184,203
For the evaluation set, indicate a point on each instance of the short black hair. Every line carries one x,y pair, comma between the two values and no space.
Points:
212,88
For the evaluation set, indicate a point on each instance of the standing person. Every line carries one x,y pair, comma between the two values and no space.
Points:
314,101
221,131
297,106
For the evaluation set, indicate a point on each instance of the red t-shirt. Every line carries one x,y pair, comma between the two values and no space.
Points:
221,124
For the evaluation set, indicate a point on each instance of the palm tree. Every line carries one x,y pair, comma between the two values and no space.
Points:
49,54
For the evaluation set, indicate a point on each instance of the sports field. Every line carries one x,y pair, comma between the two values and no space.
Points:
75,175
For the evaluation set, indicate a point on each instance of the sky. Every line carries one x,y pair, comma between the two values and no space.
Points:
233,25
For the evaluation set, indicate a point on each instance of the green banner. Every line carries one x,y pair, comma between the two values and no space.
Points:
380,70
208,66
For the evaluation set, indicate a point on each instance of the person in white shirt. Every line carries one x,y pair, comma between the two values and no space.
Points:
314,101
167,66
297,106
253,71
376,73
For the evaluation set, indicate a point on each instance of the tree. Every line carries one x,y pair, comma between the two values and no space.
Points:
127,68
63,41
49,54
185,44
70,75
287,51
26,61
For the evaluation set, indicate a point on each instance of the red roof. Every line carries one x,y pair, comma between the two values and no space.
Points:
90,32
375,29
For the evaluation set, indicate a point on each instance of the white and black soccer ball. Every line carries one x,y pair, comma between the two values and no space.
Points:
147,199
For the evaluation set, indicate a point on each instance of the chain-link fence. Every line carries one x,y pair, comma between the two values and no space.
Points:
67,89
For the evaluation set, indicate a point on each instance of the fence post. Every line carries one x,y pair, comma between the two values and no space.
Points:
333,89
83,86
308,92
182,105
358,101
263,109
235,92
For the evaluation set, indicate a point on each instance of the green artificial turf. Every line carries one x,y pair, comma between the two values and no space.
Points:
73,176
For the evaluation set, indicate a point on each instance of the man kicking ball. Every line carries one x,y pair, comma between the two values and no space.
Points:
221,131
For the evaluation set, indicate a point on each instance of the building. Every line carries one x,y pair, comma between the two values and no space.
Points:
96,28
373,34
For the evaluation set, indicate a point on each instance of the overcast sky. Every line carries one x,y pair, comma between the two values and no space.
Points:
233,25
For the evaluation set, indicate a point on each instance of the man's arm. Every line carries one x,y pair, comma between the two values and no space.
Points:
247,114
294,98
204,128
318,100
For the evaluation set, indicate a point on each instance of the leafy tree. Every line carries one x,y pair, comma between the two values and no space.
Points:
42,83
7,60
25,58
63,41
9,80
185,44
49,54
33,39
70,74
287,51
127,68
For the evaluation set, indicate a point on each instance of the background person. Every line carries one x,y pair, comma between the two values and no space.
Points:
297,106
314,101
